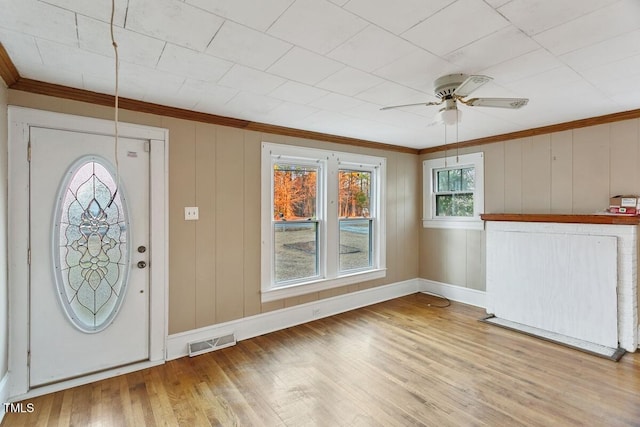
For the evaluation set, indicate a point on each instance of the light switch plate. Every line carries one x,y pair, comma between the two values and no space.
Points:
191,213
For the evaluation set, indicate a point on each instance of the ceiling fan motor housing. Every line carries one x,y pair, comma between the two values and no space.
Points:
445,86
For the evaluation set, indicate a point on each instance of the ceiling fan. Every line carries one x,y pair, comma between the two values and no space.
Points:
452,88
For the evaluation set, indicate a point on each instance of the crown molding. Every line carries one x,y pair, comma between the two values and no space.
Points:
8,71
575,124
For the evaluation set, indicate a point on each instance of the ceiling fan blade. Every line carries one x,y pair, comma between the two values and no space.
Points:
410,105
497,102
471,84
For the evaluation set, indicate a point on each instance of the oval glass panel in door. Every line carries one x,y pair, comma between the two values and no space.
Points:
91,244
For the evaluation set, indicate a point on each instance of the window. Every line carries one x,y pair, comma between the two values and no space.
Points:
454,192
322,220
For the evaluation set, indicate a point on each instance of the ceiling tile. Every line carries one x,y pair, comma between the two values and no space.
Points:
316,25
297,93
133,47
557,80
396,16
255,14
250,106
191,64
349,81
205,93
500,46
521,67
389,93
497,3
107,86
150,80
40,20
371,49
246,46
173,21
22,50
304,66
535,16
610,74
287,114
417,70
62,57
602,53
439,36
248,79
336,102
100,10
619,18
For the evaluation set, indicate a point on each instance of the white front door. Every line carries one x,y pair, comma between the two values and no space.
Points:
89,254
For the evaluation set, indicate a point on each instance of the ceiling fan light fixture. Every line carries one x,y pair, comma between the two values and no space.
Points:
449,116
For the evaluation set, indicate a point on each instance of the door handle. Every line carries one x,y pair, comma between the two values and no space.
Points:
142,264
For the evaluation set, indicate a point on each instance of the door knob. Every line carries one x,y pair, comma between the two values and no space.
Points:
142,264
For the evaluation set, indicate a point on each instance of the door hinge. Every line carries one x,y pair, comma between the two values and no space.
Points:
28,357
147,146
29,256
29,151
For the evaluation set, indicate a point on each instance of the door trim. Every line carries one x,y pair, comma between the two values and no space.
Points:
20,120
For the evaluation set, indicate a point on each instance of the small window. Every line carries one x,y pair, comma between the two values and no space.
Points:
454,196
454,192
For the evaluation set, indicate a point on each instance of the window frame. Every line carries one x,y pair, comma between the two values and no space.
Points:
329,163
429,170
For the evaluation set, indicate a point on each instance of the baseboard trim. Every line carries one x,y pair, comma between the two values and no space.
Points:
4,393
260,324
454,293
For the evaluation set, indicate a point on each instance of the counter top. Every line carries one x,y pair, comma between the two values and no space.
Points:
562,218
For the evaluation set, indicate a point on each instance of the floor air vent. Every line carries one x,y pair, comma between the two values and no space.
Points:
200,347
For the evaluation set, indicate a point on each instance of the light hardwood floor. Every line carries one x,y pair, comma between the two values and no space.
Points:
397,363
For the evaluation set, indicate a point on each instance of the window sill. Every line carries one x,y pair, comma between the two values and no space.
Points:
321,285
464,224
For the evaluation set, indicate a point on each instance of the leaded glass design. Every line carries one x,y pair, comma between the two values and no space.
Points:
92,244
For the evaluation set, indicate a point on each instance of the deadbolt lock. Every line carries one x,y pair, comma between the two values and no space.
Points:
142,264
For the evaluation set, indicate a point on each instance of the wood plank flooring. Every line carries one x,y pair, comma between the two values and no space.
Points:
396,363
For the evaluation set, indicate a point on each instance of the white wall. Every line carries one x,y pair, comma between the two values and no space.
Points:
4,331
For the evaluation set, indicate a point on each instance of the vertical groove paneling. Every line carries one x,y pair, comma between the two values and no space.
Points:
591,169
230,214
252,223
391,209
513,176
410,240
205,184
624,166
474,260
494,171
562,172
536,174
182,250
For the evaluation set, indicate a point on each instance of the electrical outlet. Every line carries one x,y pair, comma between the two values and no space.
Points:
191,213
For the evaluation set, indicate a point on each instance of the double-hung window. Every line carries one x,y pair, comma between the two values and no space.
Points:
454,191
322,220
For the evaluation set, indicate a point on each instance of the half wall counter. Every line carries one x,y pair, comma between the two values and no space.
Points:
572,275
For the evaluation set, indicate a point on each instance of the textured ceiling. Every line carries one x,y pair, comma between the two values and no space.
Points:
328,66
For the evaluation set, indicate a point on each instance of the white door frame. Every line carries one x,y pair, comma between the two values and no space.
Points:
20,119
